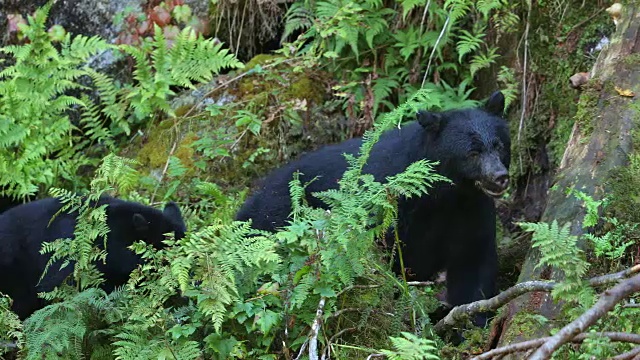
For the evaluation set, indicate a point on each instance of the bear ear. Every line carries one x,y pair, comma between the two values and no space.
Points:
495,104
172,213
140,223
430,121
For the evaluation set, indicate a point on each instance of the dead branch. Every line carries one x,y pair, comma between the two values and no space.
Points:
532,344
609,278
606,302
631,354
460,312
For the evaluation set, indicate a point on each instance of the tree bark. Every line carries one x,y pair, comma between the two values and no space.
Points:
600,142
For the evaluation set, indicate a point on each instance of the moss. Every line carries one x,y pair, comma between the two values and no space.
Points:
305,88
154,153
260,59
587,107
186,153
280,82
632,59
557,54
624,182
523,323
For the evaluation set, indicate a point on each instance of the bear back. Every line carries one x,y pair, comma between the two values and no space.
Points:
24,228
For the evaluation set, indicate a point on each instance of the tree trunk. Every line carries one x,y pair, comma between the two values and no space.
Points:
600,141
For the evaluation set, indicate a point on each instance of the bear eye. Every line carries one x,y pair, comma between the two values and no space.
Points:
473,154
497,145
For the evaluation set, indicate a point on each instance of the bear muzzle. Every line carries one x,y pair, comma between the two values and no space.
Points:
496,186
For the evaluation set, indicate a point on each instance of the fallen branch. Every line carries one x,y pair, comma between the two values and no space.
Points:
607,301
532,344
460,312
631,354
609,278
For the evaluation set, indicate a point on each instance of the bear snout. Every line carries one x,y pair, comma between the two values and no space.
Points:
502,181
495,185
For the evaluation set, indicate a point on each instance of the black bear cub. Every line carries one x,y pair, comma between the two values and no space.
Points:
24,228
454,226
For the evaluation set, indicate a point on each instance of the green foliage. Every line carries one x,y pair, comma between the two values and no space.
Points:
611,244
10,326
159,66
411,347
559,250
39,142
82,250
386,46
245,285
69,329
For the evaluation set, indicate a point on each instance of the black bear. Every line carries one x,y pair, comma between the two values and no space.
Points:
454,226
24,228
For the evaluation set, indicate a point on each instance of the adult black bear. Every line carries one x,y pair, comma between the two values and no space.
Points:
452,228
24,228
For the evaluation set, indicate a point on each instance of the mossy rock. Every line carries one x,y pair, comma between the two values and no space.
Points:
278,81
155,151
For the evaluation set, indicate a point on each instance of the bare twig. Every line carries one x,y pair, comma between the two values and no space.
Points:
348,288
587,20
373,356
164,171
420,283
631,354
532,344
226,83
315,329
435,47
424,16
302,349
460,312
607,301
327,351
524,75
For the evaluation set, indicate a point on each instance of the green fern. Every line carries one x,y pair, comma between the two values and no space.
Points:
159,66
559,250
482,61
61,330
486,6
469,43
411,347
37,144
